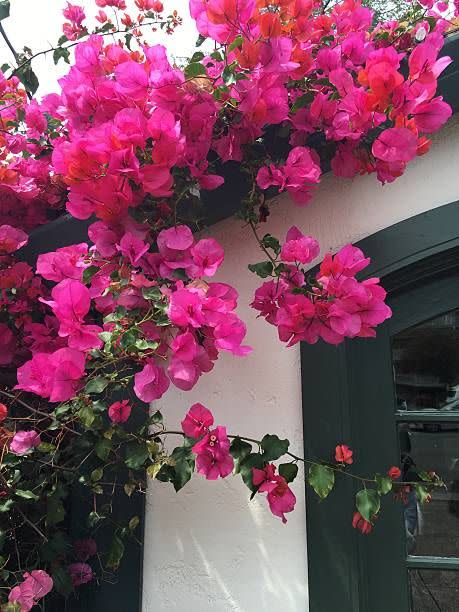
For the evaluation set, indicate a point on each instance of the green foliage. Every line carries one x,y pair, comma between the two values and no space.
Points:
253,460
273,447
4,9
368,503
136,454
322,479
289,471
262,269
239,451
195,69
115,553
383,484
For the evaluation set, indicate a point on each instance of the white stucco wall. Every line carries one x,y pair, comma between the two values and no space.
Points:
207,548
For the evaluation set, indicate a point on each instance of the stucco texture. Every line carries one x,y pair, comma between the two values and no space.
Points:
209,548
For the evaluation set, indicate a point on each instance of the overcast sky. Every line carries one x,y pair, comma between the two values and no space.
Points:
37,24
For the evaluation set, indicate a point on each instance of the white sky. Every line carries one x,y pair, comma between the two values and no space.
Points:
37,24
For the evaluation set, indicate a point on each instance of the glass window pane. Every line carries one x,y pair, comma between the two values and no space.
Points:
433,528
426,365
434,591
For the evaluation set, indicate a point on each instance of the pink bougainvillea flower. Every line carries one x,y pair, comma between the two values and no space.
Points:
11,239
299,248
197,421
207,256
24,441
394,472
213,458
395,144
185,308
66,262
85,549
71,302
80,573
119,412
3,412
343,454
151,382
35,586
432,115
54,375
358,522
281,498
132,248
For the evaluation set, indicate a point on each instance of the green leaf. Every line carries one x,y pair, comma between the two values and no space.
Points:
136,455
143,345
46,447
103,448
237,42
197,57
368,503
28,78
62,53
288,471
26,494
6,505
89,273
156,418
129,338
200,40
63,39
55,511
128,38
302,101
97,474
151,293
12,607
62,582
422,493
270,242
194,70
4,9
58,545
86,415
254,460
115,554
262,269
273,447
134,523
96,385
239,451
383,484
322,479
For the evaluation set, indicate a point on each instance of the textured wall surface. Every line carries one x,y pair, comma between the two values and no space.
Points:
208,548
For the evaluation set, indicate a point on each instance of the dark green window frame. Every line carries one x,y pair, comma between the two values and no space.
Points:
346,396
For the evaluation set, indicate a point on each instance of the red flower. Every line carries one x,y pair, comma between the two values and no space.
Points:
119,412
3,412
358,522
343,454
394,472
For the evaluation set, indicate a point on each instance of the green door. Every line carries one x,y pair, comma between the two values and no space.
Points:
395,400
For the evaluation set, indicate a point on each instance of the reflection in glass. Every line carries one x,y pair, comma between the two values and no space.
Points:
426,365
432,529
434,591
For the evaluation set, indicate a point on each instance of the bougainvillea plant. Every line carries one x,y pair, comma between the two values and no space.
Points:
94,333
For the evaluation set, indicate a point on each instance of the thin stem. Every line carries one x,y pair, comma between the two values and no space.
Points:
36,411
305,461
73,44
32,525
8,42
260,243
